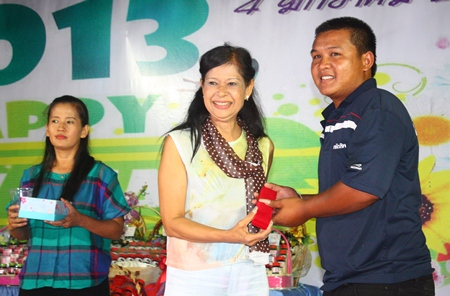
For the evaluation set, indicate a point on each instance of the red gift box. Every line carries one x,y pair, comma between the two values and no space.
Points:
264,214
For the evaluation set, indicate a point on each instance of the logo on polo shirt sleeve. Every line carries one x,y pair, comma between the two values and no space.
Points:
356,166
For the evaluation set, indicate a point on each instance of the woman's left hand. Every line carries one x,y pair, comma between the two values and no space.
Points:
72,219
241,234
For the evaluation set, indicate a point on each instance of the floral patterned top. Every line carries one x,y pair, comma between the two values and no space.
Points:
212,199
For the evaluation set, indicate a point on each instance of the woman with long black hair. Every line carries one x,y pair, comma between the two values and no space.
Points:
70,256
211,166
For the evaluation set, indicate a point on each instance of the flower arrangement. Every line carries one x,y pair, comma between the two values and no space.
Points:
296,235
301,256
134,218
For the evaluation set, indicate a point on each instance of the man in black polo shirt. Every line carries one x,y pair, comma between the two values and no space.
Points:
368,224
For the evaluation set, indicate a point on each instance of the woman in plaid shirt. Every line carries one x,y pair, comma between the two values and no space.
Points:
70,256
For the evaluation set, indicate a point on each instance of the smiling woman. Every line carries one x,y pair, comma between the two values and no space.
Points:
219,157
224,93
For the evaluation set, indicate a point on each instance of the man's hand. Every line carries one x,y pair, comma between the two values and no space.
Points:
287,206
282,191
288,212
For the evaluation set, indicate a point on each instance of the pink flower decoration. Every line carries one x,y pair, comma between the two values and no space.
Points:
131,198
132,201
443,43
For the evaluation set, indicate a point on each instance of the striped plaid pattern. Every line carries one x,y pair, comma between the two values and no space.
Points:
72,258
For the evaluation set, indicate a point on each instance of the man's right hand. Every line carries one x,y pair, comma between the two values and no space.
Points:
282,191
287,207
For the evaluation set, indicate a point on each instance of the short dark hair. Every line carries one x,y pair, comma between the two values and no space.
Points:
250,113
362,35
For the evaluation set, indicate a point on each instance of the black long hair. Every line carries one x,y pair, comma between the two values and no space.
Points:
83,161
250,113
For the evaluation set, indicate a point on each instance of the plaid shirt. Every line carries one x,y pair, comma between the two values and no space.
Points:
72,258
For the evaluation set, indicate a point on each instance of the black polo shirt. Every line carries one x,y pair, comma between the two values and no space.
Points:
369,143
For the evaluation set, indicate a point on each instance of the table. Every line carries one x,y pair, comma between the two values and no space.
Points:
300,290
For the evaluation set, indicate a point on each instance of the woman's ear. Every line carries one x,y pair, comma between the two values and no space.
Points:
249,88
85,131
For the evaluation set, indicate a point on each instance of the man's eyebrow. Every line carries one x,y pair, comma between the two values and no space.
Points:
328,48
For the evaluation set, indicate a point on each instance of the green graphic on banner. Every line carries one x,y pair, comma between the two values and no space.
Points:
25,31
174,23
90,26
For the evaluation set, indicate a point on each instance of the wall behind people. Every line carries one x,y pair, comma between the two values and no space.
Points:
134,63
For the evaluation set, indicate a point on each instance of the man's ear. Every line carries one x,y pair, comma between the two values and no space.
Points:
368,60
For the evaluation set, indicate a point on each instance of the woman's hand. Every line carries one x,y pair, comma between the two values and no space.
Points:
16,225
13,218
111,229
74,218
240,231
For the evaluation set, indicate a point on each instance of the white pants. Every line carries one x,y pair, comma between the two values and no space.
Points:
238,279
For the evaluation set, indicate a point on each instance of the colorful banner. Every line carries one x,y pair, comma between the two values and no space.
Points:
135,64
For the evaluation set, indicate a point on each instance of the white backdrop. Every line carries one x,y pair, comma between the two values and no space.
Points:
135,65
